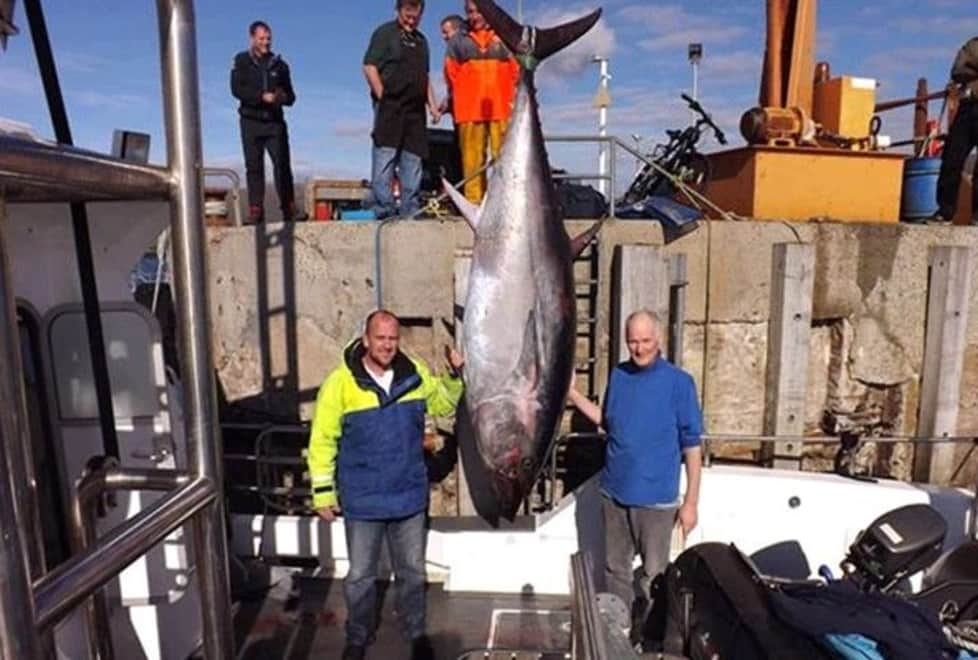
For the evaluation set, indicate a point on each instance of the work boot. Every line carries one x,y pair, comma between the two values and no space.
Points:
353,652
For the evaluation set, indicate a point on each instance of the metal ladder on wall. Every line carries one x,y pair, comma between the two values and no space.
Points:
586,269
36,171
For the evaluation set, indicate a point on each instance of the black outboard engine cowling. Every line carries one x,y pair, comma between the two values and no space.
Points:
895,546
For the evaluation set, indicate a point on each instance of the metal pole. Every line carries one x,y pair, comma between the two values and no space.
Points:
603,124
696,80
79,223
34,171
178,46
18,639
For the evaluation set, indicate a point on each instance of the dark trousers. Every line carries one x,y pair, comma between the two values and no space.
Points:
257,137
165,316
961,139
406,543
629,531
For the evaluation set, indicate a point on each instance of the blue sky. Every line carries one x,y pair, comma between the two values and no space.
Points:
107,52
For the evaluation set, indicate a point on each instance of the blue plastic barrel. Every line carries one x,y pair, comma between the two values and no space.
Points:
919,198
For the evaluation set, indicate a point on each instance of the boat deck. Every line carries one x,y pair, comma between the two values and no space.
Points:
303,617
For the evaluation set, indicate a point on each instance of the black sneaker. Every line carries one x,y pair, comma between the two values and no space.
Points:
353,652
421,649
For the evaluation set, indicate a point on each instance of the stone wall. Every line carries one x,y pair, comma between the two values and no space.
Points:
286,299
868,317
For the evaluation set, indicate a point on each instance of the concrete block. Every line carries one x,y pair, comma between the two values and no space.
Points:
417,260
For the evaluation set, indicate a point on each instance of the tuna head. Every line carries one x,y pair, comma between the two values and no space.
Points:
506,431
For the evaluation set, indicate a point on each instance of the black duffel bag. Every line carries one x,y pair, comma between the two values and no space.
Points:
716,605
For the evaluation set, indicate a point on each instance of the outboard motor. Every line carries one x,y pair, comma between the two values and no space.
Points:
895,546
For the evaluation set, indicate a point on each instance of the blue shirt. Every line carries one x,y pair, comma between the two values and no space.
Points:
651,415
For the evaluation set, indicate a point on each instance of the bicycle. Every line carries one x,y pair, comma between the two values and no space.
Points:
678,159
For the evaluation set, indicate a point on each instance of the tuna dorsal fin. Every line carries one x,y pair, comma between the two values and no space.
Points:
546,42
582,240
469,211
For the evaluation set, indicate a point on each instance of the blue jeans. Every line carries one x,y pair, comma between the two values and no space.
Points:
406,544
387,160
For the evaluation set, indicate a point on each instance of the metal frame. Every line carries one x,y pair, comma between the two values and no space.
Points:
103,478
234,192
25,609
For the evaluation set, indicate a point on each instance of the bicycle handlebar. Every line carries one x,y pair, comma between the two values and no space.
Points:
695,106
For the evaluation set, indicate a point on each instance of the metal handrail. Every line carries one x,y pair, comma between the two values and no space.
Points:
64,588
104,478
32,171
55,172
234,191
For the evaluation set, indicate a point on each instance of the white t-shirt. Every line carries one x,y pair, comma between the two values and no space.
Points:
384,381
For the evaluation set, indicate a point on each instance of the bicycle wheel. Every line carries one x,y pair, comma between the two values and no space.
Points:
641,186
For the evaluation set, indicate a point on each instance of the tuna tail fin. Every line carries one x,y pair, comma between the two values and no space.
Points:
546,42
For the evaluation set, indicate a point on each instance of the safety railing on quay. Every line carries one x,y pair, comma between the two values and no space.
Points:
31,171
614,146
233,192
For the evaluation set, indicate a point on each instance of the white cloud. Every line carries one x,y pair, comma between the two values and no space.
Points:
673,27
713,35
740,66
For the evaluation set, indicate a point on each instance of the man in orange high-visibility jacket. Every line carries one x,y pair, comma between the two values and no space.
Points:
481,76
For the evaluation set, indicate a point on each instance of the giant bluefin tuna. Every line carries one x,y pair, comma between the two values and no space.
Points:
520,319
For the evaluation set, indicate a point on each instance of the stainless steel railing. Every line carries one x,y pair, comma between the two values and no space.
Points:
33,172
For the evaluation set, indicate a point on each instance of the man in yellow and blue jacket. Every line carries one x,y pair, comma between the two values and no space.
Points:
366,454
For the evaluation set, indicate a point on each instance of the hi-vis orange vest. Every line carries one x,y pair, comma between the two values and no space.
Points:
481,75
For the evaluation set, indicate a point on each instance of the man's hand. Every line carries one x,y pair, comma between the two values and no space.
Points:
687,517
269,97
328,513
435,115
455,359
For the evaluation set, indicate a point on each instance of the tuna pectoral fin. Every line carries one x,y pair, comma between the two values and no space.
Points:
548,41
469,211
582,240
528,368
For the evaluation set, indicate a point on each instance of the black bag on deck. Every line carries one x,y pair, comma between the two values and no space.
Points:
580,201
717,606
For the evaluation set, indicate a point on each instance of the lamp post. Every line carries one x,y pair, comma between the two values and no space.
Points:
602,99
695,54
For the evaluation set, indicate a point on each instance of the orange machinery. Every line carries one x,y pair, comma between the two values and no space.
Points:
811,153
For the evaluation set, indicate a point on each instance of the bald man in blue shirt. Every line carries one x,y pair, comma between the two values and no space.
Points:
653,422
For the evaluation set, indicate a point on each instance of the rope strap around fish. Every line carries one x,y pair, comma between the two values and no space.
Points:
528,43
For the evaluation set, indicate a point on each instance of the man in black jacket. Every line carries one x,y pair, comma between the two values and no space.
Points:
260,80
962,135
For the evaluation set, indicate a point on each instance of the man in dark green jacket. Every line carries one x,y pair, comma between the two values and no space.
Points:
396,68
